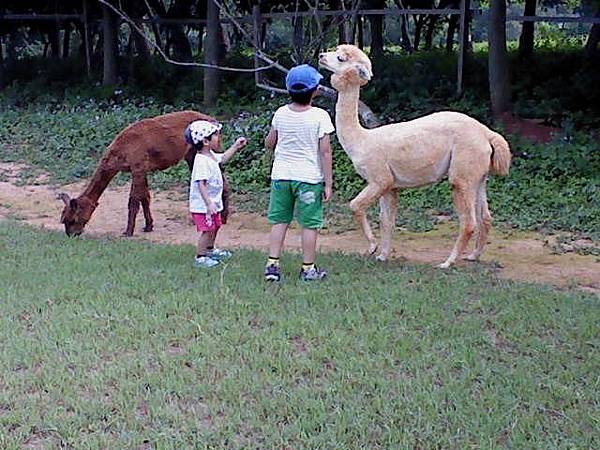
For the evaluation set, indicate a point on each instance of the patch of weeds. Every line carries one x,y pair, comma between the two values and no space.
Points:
574,244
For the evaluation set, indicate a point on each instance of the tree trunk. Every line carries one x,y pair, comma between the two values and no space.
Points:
298,38
527,32
141,46
263,34
431,23
376,36
406,44
2,11
419,19
54,39
361,32
1,64
182,50
344,34
200,38
452,27
345,29
463,44
593,40
498,59
98,47
67,40
212,51
110,47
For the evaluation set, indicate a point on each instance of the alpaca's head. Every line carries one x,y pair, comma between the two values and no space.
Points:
76,213
350,66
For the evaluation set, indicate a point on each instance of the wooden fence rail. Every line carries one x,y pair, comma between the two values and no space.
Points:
316,13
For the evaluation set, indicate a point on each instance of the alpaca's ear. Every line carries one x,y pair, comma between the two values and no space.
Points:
64,197
364,72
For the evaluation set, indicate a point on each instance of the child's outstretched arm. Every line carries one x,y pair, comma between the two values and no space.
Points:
237,145
271,139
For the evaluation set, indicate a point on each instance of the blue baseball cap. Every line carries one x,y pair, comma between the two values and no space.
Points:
302,79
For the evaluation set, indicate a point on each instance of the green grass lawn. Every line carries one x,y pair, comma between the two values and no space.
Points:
120,344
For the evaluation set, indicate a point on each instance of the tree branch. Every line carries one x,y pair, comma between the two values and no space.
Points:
162,53
369,118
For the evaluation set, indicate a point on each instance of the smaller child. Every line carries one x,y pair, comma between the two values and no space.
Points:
206,187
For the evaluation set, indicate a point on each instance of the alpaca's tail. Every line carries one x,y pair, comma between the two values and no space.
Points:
500,154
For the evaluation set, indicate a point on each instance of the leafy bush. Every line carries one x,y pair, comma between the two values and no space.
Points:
64,129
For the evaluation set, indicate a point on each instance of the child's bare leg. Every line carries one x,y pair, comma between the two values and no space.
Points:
276,239
204,240
212,238
309,245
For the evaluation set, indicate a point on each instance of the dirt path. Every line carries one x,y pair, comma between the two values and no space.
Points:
519,256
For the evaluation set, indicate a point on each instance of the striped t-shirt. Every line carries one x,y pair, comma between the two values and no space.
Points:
297,149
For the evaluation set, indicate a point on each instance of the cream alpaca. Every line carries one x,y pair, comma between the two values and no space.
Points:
412,154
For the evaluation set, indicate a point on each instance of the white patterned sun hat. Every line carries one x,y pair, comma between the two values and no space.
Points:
200,129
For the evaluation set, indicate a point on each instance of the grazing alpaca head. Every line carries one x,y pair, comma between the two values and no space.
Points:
350,66
76,213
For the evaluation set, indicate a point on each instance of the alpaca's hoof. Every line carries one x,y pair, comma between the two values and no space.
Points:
128,233
471,257
444,265
381,257
148,228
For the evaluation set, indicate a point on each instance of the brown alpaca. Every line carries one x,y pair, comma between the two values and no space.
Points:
145,146
413,154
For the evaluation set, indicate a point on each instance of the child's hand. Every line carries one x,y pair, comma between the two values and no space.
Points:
210,211
240,142
327,191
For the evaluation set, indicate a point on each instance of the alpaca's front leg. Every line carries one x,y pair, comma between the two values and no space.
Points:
388,204
133,207
359,208
136,196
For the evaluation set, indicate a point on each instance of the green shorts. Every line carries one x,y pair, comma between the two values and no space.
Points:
306,197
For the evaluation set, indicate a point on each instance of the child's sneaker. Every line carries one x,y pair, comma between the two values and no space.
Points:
205,262
272,273
313,274
217,253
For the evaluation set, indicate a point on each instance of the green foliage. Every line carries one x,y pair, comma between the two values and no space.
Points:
122,344
64,130
552,187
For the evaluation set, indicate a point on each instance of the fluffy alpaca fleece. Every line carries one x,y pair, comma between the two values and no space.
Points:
413,154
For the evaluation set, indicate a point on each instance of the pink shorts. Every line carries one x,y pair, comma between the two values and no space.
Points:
203,225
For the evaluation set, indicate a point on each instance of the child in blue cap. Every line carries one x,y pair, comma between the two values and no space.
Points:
301,176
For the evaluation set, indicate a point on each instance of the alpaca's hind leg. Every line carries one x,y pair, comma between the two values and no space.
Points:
359,208
484,222
146,207
464,197
388,204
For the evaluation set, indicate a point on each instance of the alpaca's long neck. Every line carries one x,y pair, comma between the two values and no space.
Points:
103,174
348,129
